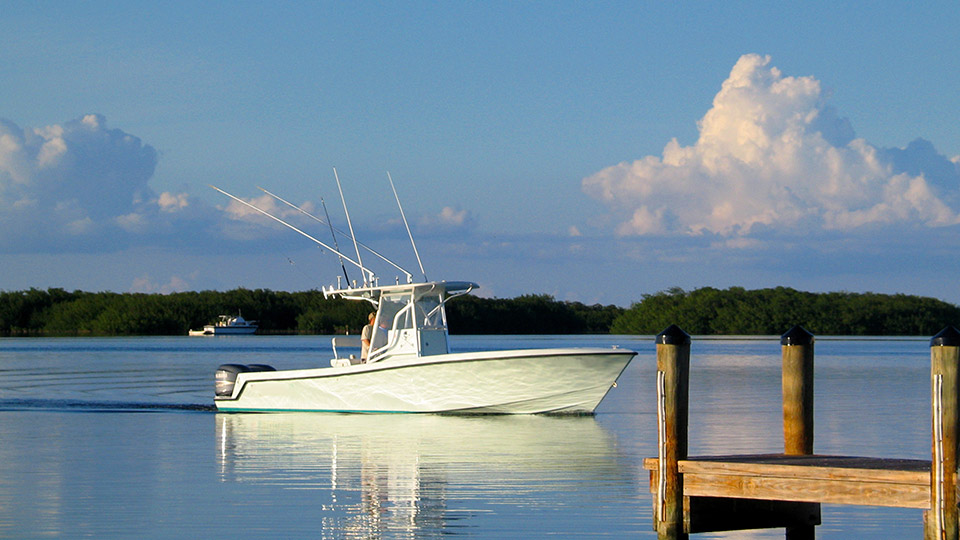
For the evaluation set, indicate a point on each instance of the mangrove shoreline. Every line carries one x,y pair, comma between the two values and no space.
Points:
704,311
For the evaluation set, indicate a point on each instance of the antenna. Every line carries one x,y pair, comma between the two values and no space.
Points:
350,225
407,225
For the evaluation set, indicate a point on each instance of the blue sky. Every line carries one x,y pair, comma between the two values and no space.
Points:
592,152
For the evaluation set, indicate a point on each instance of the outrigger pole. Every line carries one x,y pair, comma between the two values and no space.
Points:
408,275
350,226
282,222
407,225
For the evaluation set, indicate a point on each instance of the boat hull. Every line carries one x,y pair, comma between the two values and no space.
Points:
502,382
234,330
225,331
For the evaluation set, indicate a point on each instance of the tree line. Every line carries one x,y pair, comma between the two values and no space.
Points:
705,311
59,312
737,311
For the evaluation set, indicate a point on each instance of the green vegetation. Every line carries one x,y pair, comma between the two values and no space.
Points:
58,312
737,311
706,311
528,314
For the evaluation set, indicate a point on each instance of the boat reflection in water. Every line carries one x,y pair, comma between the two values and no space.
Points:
420,475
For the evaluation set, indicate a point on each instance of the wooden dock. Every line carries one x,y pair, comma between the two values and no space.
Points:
724,493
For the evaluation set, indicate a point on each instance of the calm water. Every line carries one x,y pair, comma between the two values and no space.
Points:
117,438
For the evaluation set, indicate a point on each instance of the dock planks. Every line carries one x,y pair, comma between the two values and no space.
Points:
853,480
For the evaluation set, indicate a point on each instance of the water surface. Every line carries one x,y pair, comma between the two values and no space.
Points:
117,438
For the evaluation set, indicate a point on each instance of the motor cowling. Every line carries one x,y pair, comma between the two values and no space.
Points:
226,376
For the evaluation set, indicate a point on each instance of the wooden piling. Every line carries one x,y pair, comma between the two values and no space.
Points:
673,384
797,350
940,522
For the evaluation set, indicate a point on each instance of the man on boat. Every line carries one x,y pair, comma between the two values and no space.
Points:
365,335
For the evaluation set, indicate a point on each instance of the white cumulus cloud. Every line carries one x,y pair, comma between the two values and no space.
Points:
170,202
145,284
448,220
80,184
451,216
772,153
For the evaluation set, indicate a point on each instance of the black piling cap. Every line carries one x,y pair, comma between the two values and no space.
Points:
948,337
797,335
673,335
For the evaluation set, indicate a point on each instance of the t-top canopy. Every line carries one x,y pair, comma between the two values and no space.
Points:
372,294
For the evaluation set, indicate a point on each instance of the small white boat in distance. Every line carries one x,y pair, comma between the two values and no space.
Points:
410,368
227,326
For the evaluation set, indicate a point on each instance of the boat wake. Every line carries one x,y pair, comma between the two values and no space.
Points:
62,405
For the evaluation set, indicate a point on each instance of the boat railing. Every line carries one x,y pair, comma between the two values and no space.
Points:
400,342
393,336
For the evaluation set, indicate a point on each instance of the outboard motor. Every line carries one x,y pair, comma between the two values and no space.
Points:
226,376
259,367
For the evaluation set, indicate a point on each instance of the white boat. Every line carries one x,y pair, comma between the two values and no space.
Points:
227,325
410,367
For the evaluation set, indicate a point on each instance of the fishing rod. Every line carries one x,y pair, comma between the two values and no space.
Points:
332,235
407,225
282,222
345,234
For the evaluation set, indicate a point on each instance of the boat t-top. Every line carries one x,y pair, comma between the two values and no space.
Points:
409,366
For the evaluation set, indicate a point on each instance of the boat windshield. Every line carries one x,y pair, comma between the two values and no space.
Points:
394,314
429,312
410,322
